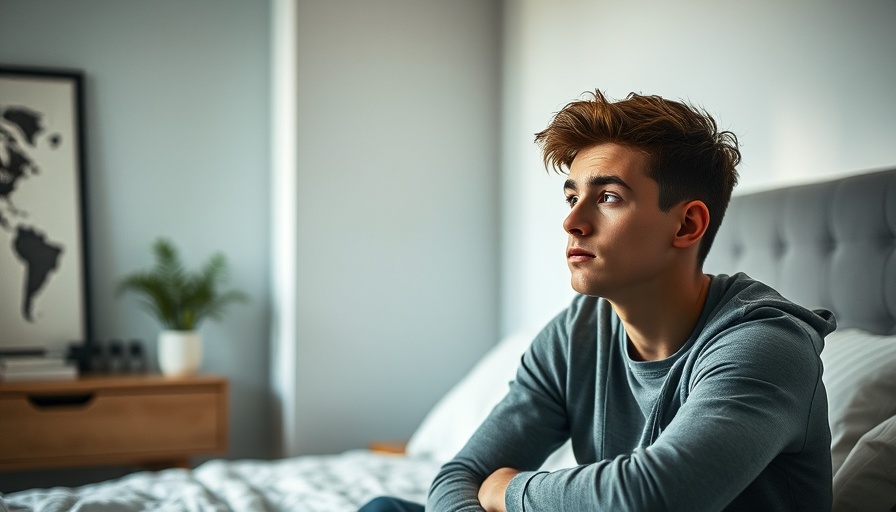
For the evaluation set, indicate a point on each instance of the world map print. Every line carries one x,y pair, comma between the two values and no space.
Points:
20,130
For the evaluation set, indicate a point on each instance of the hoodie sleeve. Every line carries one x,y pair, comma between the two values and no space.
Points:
753,396
520,432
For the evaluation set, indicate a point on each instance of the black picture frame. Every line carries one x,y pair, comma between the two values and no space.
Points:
44,293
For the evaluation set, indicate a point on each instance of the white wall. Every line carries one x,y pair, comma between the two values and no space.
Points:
176,107
397,196
807,86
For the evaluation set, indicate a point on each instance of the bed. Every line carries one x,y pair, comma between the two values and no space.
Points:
830,244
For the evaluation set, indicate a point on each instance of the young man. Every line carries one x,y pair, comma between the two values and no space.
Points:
679,390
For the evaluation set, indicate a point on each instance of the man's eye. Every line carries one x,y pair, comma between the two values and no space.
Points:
572,200
610,198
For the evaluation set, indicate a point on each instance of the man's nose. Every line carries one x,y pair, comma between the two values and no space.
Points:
576,224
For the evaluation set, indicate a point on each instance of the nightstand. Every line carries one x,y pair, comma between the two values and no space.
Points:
147,420
389,447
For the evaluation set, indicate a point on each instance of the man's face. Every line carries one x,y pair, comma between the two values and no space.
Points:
620,242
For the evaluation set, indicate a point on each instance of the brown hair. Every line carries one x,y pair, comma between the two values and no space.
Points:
688,156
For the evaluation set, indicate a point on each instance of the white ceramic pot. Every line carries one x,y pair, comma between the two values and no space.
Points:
179,352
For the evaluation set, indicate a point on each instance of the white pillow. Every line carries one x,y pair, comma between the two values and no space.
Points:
867,480
448,426
454,419
860,377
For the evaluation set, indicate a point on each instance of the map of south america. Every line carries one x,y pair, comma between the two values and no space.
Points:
40,258
20,129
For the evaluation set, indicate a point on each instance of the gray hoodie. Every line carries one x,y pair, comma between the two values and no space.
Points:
735,420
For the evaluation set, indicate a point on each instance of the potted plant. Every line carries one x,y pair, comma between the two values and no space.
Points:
180,300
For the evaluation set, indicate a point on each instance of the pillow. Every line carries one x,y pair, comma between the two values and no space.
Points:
860,377
457,415
454,419
867,480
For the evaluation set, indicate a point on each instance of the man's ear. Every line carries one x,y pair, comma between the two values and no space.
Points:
694,220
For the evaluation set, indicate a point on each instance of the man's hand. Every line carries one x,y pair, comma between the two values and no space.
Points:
491,492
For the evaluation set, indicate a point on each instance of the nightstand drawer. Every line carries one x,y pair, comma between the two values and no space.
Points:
101,424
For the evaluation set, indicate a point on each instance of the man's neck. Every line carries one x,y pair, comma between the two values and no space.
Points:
659,320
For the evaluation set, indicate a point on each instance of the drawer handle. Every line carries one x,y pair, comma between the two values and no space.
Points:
55,401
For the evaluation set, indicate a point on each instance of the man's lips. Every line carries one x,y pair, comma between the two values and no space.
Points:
576,255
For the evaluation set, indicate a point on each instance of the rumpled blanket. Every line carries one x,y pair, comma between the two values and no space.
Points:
328,483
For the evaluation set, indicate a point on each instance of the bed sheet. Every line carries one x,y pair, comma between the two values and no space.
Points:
331,483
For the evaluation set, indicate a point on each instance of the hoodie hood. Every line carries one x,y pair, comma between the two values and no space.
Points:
738,298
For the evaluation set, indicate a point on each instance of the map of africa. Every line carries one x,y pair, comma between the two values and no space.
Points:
20,129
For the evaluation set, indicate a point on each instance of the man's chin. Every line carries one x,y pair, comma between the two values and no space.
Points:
585,288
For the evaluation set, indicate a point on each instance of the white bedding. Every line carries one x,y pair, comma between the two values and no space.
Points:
330,483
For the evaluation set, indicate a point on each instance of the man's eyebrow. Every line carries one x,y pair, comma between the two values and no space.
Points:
603,179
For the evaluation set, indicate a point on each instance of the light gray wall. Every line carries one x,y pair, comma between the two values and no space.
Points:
177,138
398,167
807,85
398,122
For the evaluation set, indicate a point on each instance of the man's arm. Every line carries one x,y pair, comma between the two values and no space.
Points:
521,431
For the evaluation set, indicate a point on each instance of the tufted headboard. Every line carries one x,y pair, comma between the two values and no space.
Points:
830,244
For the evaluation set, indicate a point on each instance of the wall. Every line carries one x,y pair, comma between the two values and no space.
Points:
396,190
396,271
177,144
806,85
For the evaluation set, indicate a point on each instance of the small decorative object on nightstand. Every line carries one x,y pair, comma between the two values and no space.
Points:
136,357
115,362
180,300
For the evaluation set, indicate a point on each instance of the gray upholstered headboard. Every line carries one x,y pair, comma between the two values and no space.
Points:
829,245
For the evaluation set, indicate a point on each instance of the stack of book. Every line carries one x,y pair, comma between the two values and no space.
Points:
37,368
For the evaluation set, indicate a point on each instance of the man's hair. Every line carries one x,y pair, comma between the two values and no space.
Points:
688,156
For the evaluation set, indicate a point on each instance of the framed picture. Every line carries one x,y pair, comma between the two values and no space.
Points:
43,281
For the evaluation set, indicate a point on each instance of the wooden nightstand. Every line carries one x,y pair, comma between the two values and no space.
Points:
389,447
147,420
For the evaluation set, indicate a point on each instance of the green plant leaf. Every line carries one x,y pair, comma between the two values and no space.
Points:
178,298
